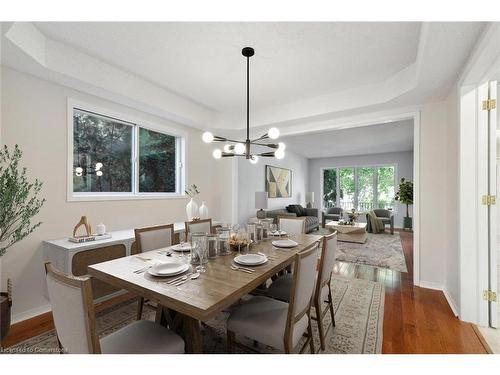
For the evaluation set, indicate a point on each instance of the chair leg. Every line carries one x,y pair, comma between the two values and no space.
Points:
230,341
310,332
140,306
319,319
330,303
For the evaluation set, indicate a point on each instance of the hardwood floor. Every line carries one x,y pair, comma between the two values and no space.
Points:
416,320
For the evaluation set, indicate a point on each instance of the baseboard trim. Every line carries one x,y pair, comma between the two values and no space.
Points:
29,314
437,286
430,285
450,302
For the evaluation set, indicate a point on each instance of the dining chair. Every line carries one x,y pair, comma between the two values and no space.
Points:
276,323
201,226
152,238
74,319
281,288
292,225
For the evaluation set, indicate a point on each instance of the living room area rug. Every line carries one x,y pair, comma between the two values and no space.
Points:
359,315
382,250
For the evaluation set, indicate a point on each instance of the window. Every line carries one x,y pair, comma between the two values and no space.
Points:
114,158
362,188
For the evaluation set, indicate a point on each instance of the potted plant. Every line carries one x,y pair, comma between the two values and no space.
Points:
405,196
19,203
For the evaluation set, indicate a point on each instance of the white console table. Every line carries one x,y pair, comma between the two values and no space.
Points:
60,252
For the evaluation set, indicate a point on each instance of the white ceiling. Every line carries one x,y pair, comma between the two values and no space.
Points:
304,76
373,139
203,61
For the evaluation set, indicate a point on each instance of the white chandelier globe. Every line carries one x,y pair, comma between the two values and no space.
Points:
99,173
279,154
227,149
281,146
79,170
217,153
273,133
254,159
239,148
207,137
98,166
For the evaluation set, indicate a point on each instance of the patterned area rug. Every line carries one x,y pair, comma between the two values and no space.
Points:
359,315
382,250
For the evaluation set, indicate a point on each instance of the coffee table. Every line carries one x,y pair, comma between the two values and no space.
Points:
349,233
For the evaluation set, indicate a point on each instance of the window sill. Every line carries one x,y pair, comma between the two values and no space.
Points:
121,197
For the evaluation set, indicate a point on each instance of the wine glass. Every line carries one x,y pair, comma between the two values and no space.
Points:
273,228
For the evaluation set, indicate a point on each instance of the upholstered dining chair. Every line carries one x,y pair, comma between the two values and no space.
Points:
152,238
201,226
276,323
74,319
292,225
281,288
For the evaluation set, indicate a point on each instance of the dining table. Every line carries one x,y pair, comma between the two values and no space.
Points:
197,300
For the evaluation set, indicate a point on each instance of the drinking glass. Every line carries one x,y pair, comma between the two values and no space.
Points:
199,248
223,235
273,227
212,246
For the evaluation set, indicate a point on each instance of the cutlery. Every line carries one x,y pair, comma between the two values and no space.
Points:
177,279
144,259
194,276
143,269
234,268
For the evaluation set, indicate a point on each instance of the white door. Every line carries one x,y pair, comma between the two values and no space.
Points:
487,215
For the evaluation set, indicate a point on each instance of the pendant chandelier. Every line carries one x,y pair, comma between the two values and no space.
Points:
244,148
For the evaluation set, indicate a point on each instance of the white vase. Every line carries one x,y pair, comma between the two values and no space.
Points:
203,211
191,209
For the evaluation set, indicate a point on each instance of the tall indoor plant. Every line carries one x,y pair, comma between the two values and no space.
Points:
405,196
19,203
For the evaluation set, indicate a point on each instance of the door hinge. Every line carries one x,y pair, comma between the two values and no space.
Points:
489,104
488,295
488,200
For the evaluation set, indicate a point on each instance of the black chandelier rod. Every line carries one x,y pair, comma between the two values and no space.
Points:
248,98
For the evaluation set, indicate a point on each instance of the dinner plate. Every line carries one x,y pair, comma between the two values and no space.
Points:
278,233
284,243
168,269
186,246
250,259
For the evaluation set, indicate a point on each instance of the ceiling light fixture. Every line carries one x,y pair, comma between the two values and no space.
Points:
243,148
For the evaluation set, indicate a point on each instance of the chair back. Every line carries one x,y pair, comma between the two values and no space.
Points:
200,226
380,212
304,276
72,311
292,225
152,238
327,261
334,211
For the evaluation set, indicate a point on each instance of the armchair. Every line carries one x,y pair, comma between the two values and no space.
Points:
387,217
332,213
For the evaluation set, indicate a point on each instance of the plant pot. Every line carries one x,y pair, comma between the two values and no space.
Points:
5,305
407,223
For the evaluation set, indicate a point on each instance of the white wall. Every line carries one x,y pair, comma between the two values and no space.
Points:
251,178
402,160
34,116
452,260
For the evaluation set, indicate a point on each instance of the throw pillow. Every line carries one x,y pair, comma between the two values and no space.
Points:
296,209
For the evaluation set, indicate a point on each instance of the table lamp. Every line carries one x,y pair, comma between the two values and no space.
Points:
309,199
261,204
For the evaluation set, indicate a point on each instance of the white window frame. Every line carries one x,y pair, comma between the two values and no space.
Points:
137,123
355,167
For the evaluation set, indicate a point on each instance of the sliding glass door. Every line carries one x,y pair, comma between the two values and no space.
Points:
361,188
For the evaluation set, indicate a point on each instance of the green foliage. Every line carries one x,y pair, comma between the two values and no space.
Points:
19,201
405,194
385,186
329,187
156,162
98,139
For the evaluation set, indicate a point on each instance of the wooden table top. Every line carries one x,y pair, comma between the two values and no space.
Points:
202,298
